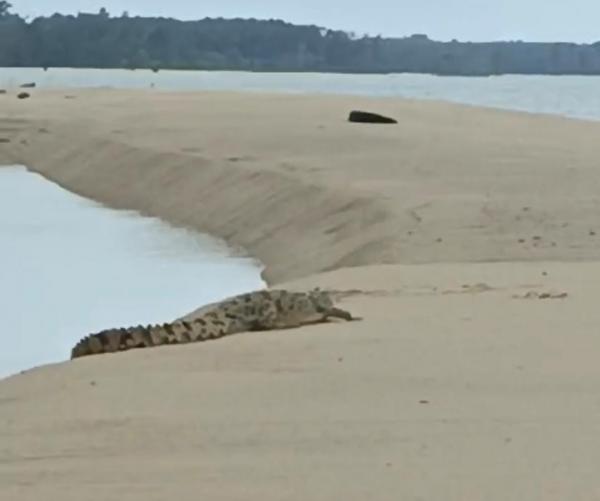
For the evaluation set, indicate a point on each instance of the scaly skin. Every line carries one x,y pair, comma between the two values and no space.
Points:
253,311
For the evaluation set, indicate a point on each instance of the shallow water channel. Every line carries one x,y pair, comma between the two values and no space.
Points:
69,267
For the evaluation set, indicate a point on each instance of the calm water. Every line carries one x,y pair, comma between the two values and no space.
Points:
69,266
573,96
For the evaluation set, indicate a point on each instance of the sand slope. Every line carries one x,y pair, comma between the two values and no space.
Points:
288,179
461,382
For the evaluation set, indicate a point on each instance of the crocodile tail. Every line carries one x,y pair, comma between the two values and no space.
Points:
113,340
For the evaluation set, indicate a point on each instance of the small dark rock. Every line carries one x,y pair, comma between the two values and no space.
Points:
2,91
4,140
370,118
23,95
29,85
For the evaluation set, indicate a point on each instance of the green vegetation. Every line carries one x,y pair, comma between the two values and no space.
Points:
101,41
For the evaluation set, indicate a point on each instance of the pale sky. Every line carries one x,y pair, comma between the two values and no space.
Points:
465,20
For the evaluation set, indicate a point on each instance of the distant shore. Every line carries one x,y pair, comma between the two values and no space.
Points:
270,45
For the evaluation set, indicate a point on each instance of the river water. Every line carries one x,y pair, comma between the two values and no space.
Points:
574,96
69,267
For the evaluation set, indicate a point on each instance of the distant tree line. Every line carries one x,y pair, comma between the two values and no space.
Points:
101,41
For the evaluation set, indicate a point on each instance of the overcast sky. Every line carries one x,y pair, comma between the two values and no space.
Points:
475,20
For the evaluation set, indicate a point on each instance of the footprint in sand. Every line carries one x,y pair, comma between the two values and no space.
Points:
471,289
541,295
242,158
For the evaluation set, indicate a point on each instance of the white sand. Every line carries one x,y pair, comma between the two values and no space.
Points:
455,386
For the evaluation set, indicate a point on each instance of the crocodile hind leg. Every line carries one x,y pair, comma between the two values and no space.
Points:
341,314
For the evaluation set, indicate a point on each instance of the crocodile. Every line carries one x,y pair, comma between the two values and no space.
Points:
252,311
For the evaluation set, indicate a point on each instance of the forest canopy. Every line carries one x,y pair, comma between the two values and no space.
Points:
99,40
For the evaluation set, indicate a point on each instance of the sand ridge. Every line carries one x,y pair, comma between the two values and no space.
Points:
289,180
